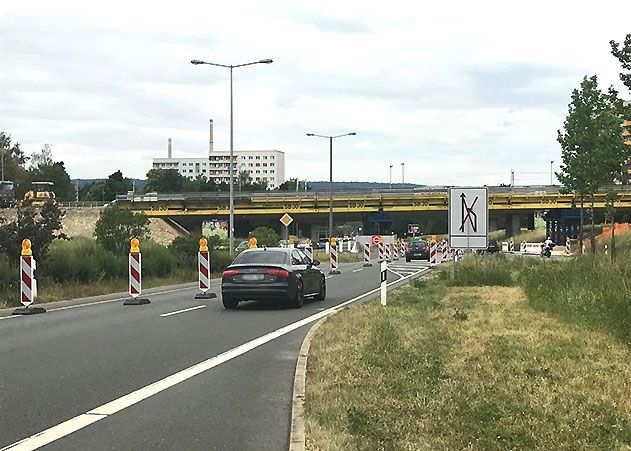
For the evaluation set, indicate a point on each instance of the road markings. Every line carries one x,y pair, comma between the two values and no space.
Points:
357,270
182,311
74,424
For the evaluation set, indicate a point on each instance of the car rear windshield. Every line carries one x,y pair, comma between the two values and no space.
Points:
418,244
272,257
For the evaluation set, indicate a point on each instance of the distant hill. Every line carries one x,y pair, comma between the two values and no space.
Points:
350,186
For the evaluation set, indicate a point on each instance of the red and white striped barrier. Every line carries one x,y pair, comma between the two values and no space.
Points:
333,257
388,252
382,252
568,246
402,249
309,252
135,275
203,263
433,254
445,256
28,284
367,255
395,250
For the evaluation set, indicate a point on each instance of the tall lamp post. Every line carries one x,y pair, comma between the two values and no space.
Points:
551,179
231,163
331,138
390,176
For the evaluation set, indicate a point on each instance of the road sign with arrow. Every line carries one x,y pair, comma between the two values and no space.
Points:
468,218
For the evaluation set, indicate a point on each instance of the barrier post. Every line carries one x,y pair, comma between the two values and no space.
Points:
309,251
333,257
135,275
367,255
402,249
511,245
384,282
203,260
568,247
432,254
445,256
395,250
28,284
381,251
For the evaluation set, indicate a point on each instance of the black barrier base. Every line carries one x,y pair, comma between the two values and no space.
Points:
137,301
28,310
367,265
332,273
205,296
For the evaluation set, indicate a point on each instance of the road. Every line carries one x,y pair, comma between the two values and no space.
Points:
178,373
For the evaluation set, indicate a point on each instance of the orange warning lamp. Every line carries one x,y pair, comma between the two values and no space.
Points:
26,247
433,240
135,246
333,241
252,243
203,245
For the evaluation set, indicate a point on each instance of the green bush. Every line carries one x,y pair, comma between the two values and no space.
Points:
219,260
9,275
157,260
117,226
264,236
80,260
185,249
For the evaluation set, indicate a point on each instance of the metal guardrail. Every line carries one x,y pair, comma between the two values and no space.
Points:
82,204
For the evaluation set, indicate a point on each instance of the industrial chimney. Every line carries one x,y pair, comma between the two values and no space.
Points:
169,153
210,141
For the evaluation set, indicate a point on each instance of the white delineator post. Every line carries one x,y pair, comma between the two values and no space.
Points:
367,255
203,260
135,275
384,282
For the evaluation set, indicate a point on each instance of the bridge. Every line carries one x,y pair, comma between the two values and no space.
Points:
506,204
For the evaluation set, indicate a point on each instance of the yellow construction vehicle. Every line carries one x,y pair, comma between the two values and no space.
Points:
40,193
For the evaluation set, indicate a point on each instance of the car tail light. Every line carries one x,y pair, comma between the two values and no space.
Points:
427,248
408,249
228,273
277,272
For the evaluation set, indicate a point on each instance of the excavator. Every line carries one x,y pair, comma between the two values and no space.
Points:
40,193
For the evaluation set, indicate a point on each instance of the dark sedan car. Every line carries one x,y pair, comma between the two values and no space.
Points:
492,246
417,250
272,274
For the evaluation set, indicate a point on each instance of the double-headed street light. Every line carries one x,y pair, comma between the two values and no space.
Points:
331,138
231,164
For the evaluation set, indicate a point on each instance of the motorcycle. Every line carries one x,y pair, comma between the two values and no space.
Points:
546,251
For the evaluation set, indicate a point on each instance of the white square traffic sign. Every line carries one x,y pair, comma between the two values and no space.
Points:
468,218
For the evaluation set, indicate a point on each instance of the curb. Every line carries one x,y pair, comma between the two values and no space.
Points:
297,429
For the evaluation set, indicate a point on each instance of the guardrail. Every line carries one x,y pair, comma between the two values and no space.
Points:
82,204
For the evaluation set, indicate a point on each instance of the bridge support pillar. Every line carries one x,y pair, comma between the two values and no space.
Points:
513,224
493,224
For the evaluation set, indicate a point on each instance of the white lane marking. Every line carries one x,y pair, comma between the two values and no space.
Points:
100,302
182,311
357,270
74,424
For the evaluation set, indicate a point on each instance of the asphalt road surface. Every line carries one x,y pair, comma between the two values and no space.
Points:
178,373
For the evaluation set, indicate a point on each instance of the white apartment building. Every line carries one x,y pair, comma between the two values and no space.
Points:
263,165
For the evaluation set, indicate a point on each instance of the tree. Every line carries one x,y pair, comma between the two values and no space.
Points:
291,184
56,173
43,158
165,181
592,145
42,227
13,159
264,236
622,52
117,226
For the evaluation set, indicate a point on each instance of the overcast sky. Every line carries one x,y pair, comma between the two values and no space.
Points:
461,92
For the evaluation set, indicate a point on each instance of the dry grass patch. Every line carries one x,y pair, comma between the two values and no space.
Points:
465,368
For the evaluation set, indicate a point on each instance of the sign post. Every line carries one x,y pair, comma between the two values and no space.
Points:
286,220
384,282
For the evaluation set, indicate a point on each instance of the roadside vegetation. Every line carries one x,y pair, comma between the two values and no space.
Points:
515,361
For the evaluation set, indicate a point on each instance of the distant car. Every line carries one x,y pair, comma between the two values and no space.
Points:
243,245
303,244
492,246
321,243
273,273
417,250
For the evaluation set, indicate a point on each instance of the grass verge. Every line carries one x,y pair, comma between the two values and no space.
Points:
343,257
464,368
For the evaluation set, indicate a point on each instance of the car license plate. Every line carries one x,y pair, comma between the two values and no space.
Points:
250,277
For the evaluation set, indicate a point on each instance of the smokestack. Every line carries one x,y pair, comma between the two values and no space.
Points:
169,153
210,141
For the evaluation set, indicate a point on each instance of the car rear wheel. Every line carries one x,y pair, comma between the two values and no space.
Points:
299,299
229,303
321,296
408,259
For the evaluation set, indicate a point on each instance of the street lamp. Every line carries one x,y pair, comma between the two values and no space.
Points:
551,179
231,164
331,138
403,173
390,176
